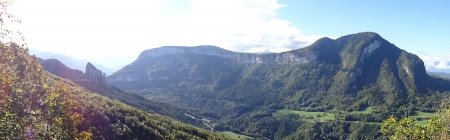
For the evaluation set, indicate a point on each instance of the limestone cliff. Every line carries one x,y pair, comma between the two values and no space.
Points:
94,74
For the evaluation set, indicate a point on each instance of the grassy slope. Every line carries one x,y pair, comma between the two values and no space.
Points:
317,115
236,136
422,117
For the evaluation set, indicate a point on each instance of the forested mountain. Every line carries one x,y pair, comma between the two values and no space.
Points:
37,105
356,71
242,90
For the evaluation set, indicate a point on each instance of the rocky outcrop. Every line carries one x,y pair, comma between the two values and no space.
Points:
94,74
93,79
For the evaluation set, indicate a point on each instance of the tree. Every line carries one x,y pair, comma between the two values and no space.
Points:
407,129
9,25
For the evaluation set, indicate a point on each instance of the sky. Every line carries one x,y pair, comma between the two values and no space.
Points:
114,32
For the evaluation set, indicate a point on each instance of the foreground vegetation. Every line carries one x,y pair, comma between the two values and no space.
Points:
437,127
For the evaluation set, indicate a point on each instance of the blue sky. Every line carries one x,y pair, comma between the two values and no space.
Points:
115,32
416,26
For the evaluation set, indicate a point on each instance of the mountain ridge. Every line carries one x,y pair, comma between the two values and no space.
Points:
302,55
350,56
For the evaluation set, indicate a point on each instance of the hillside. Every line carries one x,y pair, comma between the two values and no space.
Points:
350,73
37,105
94,80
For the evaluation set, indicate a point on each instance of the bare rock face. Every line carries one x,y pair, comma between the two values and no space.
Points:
201,50
95,75
291,57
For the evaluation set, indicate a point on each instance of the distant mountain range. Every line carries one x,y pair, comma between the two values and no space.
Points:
444,75
435,70
349,73
68,61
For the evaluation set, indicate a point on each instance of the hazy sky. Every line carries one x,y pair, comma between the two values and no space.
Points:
114,32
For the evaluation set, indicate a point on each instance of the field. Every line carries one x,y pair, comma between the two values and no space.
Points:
321,116
421,117
368,110
236,136
310,116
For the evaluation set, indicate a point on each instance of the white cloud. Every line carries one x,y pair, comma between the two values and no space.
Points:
436,62
114,32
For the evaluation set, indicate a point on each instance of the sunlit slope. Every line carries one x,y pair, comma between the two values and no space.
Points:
36,105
